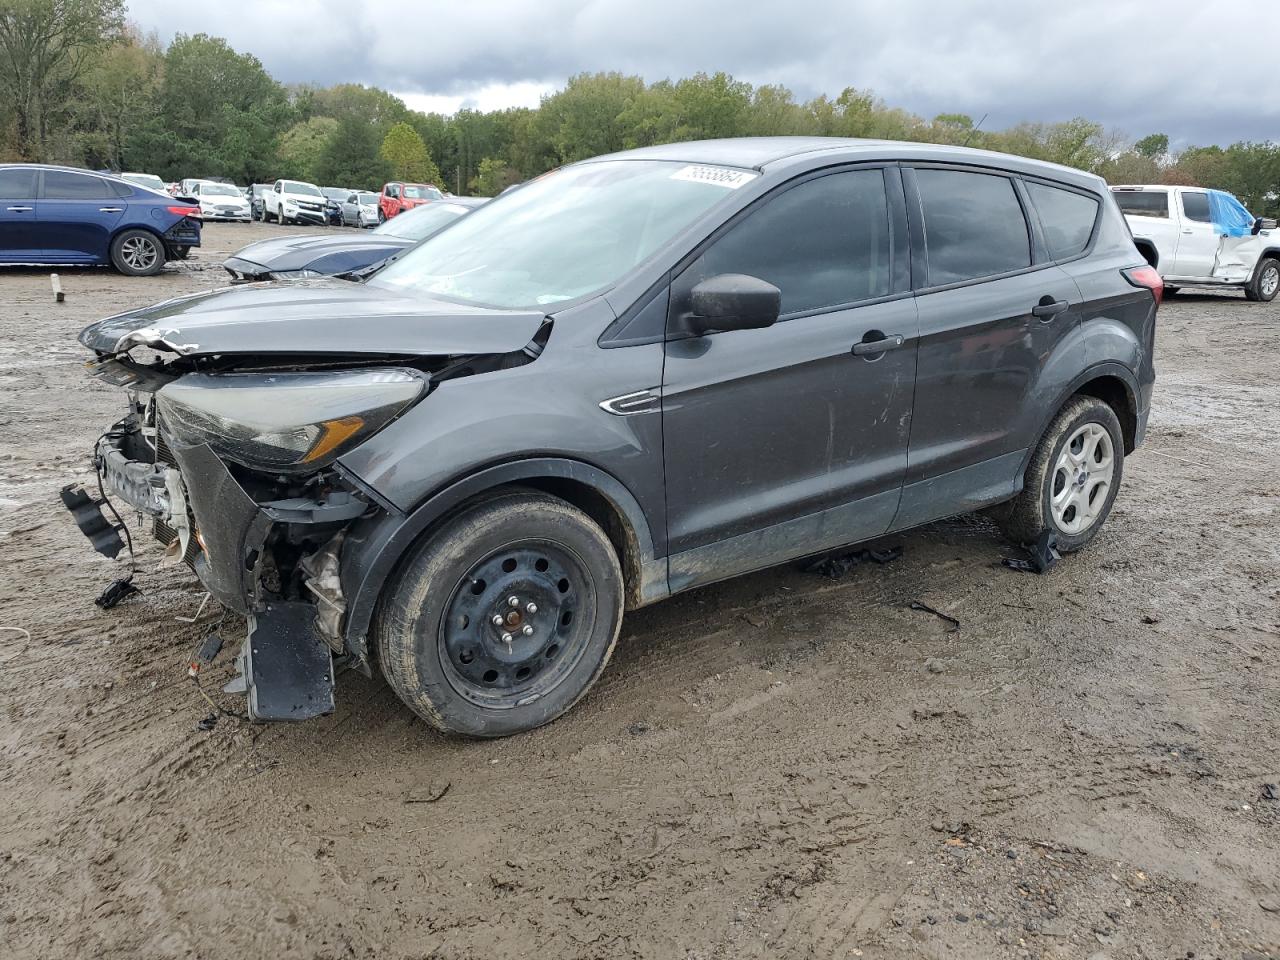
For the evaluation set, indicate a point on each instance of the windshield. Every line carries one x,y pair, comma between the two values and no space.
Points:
569,233
365,199
417,191
421,222
218,189
306,189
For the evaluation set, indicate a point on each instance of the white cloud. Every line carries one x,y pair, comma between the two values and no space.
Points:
1175,68
493,96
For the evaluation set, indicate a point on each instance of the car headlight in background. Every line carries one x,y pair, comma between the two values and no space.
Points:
285,422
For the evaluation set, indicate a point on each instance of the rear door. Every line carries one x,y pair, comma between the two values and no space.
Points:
780,442
992,308
18,214
1198,239
76,214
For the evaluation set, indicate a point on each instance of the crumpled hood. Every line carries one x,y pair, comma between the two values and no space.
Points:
314,316
298,253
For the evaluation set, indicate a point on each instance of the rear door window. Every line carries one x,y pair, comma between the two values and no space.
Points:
63,185
18,183
823,243
1195,206
974,225
1143,203
1067,218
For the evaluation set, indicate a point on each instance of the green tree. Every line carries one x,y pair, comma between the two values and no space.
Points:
45,47
1153,146
117,97
492,177
589,116
407,157
351,157
303,144
219,112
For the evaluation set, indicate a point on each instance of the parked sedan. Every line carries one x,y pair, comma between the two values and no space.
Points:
300,257
360,210
56,215
148,180
221,201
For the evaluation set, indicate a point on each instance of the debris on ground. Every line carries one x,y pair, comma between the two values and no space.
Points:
925,608
838,565
207,723
430,797
1041,555
116,592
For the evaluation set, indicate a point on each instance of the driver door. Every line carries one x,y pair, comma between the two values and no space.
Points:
780,442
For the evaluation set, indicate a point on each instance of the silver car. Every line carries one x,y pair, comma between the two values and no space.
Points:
360,210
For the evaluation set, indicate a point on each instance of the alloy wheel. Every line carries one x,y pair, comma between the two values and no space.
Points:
139,253
1081,478
1269,282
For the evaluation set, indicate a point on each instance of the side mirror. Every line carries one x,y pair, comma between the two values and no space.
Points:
733,301
1263,223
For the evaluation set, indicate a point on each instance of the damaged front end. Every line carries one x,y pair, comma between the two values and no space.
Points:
232,459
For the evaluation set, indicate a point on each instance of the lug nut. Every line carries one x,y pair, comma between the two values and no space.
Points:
531,608
496,620
527,630
507,638
513,601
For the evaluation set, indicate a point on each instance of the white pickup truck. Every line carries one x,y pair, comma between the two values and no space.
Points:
292,201
1199,237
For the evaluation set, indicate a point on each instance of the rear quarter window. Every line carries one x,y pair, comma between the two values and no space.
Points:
1067,218
1143,203
974,226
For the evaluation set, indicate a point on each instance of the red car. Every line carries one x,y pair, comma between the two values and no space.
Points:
399,197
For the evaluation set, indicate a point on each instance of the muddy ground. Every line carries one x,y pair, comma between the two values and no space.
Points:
781,766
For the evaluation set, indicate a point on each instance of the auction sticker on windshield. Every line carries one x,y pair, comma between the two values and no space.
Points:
719,176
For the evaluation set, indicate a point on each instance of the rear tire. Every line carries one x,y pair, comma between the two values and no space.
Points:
137,253
1266,282
1072,480
436,640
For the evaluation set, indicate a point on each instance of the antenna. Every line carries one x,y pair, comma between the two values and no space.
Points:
976,128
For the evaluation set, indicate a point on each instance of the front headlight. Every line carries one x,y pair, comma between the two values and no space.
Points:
285,422
295,274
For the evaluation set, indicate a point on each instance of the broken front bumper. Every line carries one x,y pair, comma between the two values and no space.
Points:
273,561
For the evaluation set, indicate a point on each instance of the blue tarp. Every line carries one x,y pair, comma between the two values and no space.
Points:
1229,216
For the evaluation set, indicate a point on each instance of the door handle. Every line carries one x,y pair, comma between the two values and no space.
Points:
873,347
1188,232
111,209
1047,309
21,209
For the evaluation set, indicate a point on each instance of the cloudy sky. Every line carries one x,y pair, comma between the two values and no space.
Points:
1180,67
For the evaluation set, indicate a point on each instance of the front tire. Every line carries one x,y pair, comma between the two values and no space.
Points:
437,640
1266,282
137,253
1073,478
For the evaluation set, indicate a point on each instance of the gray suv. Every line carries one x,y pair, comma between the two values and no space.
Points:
635,375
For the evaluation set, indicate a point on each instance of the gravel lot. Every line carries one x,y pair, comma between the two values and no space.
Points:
781,766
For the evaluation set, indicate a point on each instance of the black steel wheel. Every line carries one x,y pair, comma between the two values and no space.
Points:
502,619
517,623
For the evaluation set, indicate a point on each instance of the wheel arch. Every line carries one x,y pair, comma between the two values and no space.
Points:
375,549
1115,385
1270,253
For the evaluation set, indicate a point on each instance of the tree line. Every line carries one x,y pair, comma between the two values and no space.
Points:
82,86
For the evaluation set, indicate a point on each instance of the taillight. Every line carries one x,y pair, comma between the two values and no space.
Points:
1146,276
185,211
